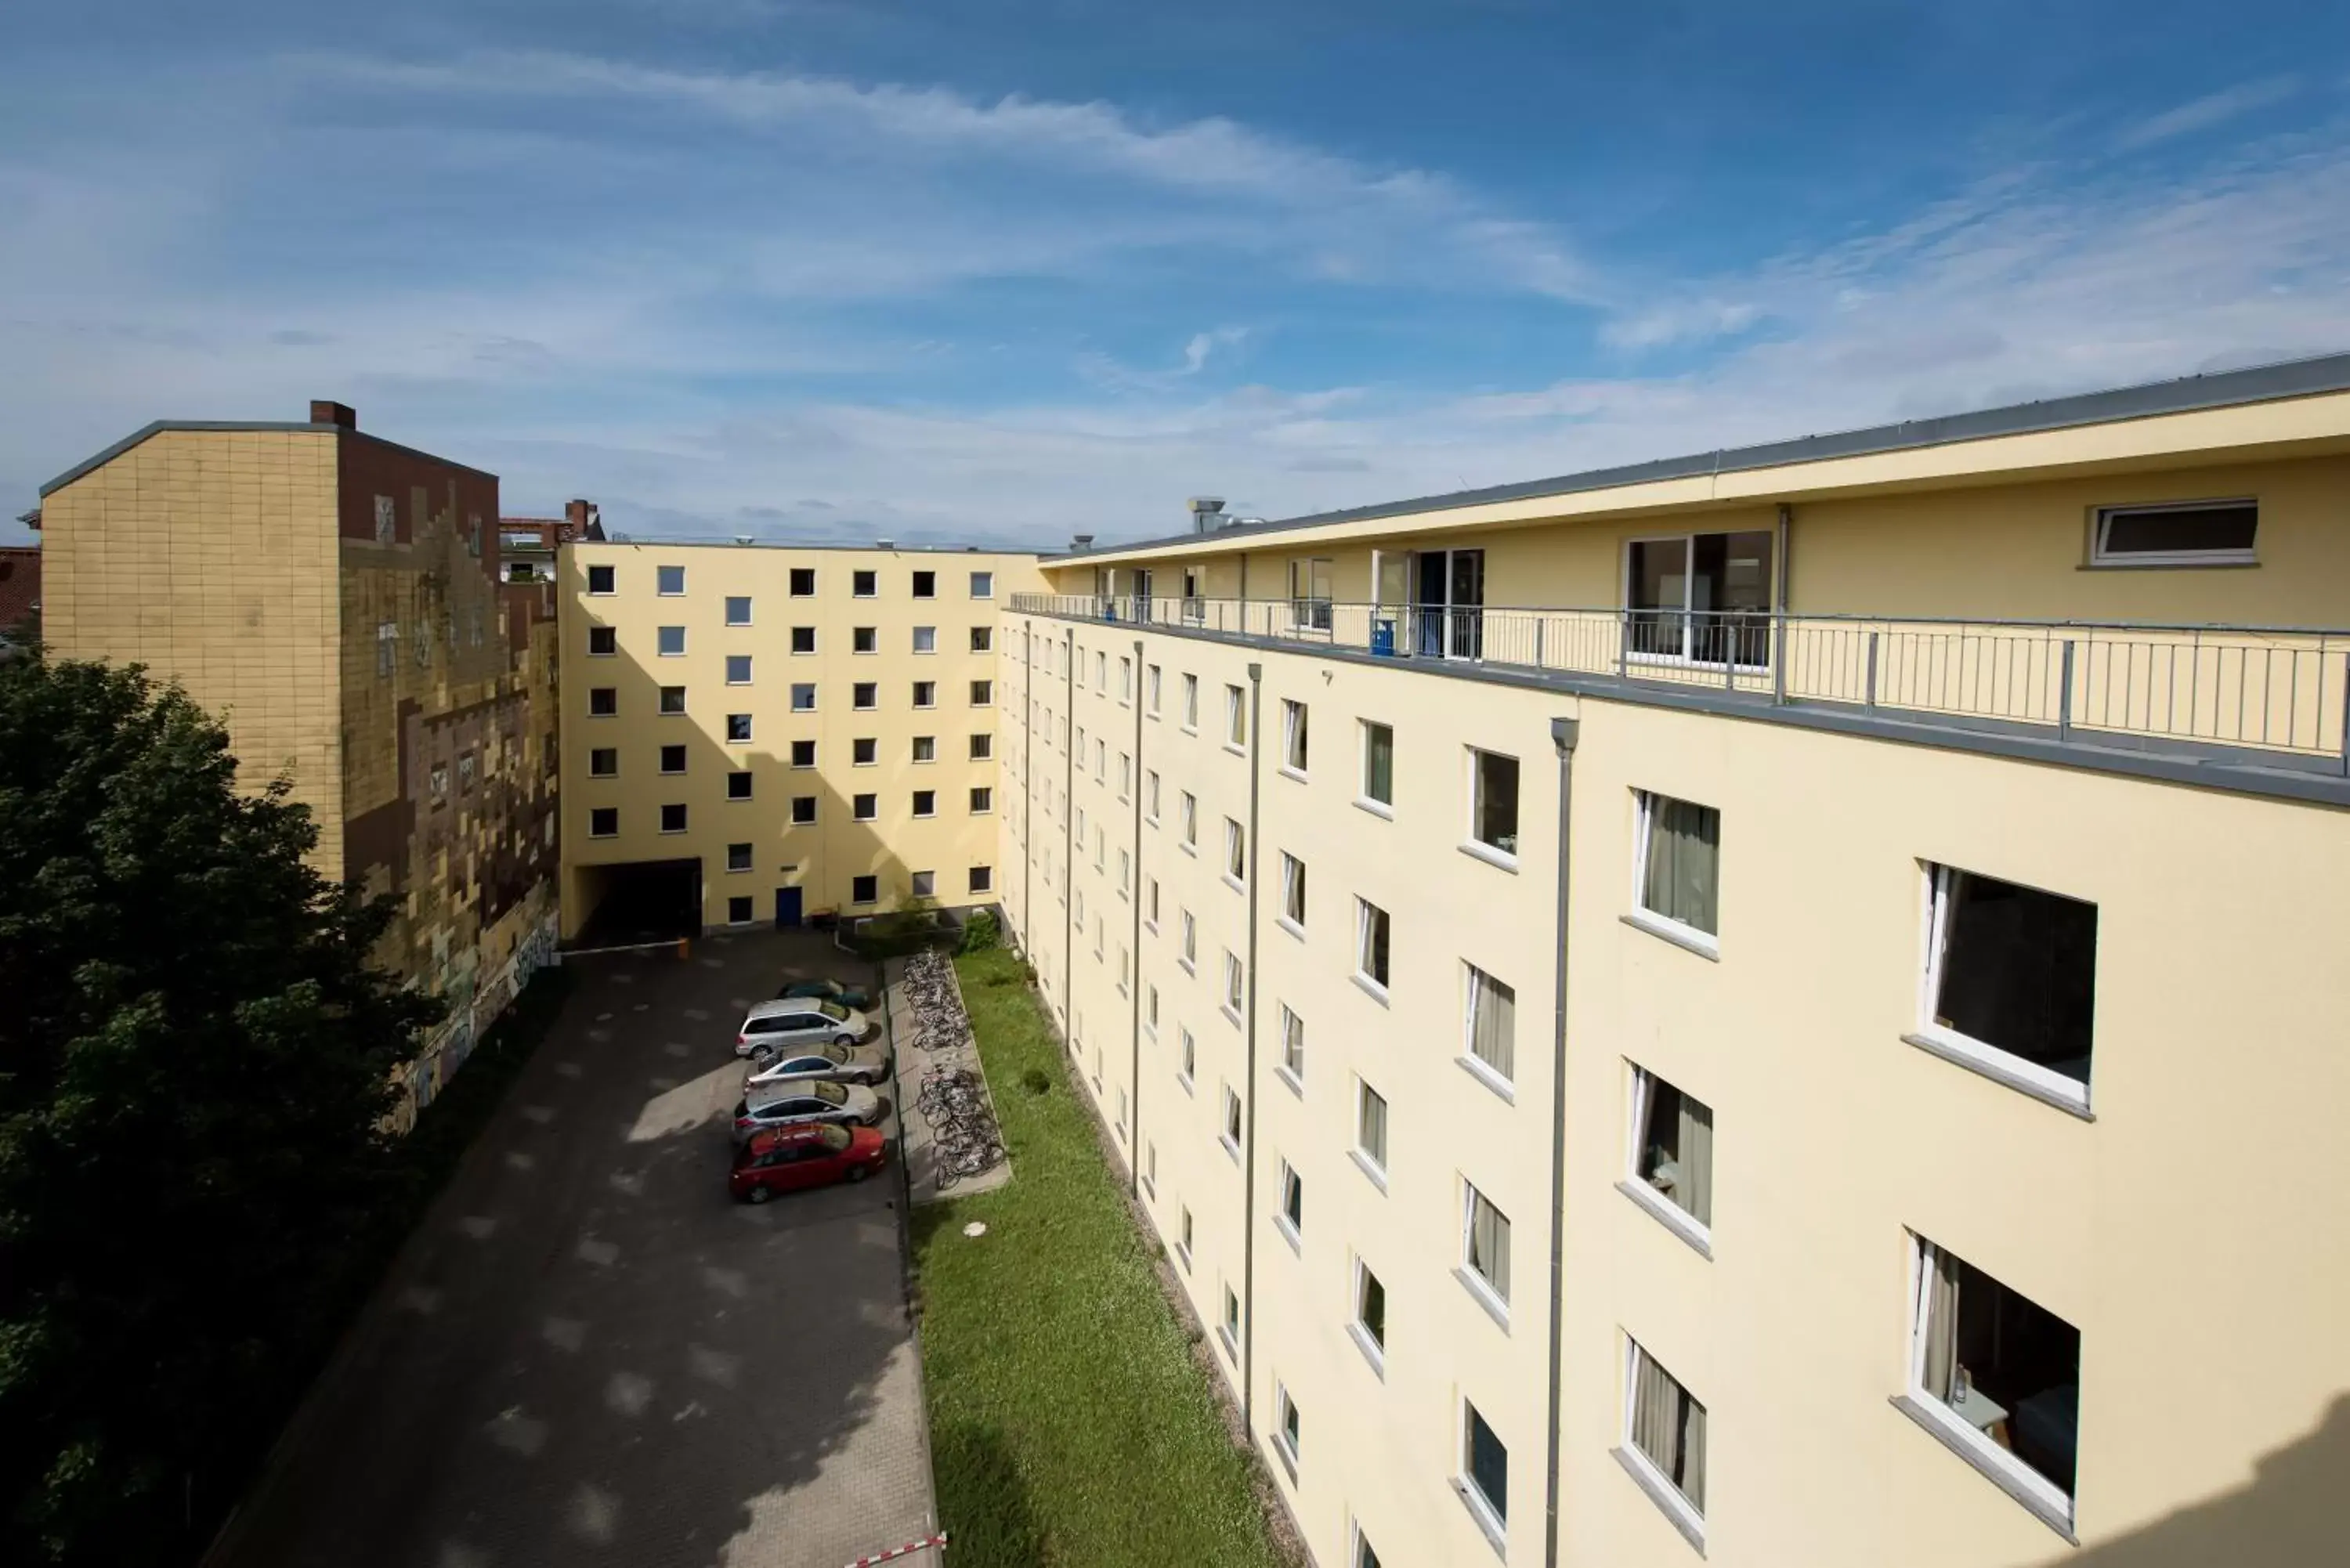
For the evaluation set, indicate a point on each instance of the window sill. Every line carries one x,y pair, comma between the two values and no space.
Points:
1384,812
1705,945
1289,1234
1665,1495
1490,1078
1292,927
1235,883
1236,751
1298,774
1183,1081
1482,1294
1188,967
1947,1432
1999,1067
1296,1084
1371,1349
1288,1460
1488,1523
1188,849
1229,1146
1369,987
1189,729
1499,858
1225,1338
2212,563
1231,1016
1679,1224
1371,1172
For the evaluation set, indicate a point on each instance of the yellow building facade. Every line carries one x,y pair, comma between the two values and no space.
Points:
773,733
1736,1008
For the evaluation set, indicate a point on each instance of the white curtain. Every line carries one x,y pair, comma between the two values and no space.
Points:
1684,845
1938,1326
1492,1021
1695,1189
1669,1427
1488,1244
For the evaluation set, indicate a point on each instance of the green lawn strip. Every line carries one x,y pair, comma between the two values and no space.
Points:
1069,1423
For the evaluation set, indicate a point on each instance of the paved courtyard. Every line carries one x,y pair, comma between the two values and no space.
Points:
589,1355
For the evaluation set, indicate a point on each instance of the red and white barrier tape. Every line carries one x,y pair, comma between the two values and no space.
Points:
911,1546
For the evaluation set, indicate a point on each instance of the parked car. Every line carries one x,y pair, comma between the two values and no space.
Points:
845,1064
773,1027
770,1106
854,997
817,1155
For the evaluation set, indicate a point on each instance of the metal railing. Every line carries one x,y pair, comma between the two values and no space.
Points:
2274,688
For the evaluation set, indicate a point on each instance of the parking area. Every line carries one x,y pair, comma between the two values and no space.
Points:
589,1355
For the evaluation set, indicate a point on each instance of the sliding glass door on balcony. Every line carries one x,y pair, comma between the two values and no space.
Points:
1701,597
1449,604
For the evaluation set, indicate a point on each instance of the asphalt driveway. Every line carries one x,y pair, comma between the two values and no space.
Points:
589,1355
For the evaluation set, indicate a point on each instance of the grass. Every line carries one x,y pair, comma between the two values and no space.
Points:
1069,1423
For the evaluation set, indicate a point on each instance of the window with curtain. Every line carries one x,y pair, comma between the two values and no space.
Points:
1293,735
1371,946
1679,859
1492,1021
1493,808
1235,716
1666,1427
1673,1153
1293,1042
1235,851
1486,1246
2003,1373
1292,1198
1378,763
1292,889
2014,969
1372,1127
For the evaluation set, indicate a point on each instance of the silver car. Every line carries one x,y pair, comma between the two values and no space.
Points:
846,1063
794,1024
800,1104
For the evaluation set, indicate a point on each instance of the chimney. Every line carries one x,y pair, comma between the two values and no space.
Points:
1206,512
582,520
323,412
1083,542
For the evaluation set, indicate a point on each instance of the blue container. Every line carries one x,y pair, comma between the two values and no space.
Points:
1383,639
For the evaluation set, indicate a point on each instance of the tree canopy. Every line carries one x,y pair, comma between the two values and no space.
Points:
195,1060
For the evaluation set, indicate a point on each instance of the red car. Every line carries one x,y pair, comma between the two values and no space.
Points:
815,1155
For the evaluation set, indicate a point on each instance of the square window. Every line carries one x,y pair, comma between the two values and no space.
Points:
1485,1463
863,584
603,641
864,640
803,582
738,858
983,747
982,878
926,803
603,701
864,807
604,822
738,911
864,752
803,640
1672,1146
2011,983
982,640
803,697
1292,889
1293,1044
738,729
926,585
1664,1430
983,585
1293,735
864,696
803,753
983,801
926,640
669,581
738,609
1485,1242
1371,943
2177,533
864,890
672,759
926,748
1379,764
604,762
738,786
672,818
1986,1363
925,883
672,700
1371,1123
1703,598
982,694
599,580
926,693
1235,717
1493,800
803,810
1492,1024
738,670
1679,863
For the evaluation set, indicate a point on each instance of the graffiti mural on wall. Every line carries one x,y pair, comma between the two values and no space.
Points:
469,1020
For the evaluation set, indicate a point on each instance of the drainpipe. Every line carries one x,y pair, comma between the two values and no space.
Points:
1779,602
1134,958
1068,834
1028,787
1248,1076
1564,733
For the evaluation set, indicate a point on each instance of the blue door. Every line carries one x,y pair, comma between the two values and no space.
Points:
787,907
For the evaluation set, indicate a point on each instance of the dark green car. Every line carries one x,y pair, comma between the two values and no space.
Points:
853,996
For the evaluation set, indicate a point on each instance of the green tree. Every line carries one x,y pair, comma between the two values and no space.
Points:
196,1059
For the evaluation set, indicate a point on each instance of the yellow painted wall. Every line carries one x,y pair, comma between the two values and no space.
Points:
211,557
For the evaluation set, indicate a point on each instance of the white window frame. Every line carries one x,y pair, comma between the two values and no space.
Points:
1291,1068
1236,995
1291,1187
1295,728
660,641
1235,854
1191,704
1494,1298
1685,1515
2005,1066
926,640
1232,1100
1364,909
1292,894
1470,845
1362,796
1187,953
1679,933
983,585
1641,1090
1187,823
1477,1067
1236,736
1152,680
1687,659
660,575
2046,1496
1495,1525
1372,1164
1150,795
1372,1345
1188,1062
2101,525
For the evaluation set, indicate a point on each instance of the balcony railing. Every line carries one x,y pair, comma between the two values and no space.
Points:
2275,688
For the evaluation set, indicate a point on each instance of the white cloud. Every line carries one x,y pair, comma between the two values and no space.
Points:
2203,113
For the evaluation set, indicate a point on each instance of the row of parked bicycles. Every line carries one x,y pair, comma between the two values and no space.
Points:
952,1099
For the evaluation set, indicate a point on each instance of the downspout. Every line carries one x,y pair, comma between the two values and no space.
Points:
1028,788
1564,733
1248,1147
1134,952
1068,834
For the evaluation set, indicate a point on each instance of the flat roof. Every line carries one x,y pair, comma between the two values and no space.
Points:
280,426
693,541
2185,394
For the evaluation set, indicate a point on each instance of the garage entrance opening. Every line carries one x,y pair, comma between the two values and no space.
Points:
640,901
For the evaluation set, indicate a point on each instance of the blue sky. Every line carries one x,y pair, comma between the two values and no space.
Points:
1007,271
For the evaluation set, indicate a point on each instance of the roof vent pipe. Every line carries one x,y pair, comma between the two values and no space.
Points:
1206,512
